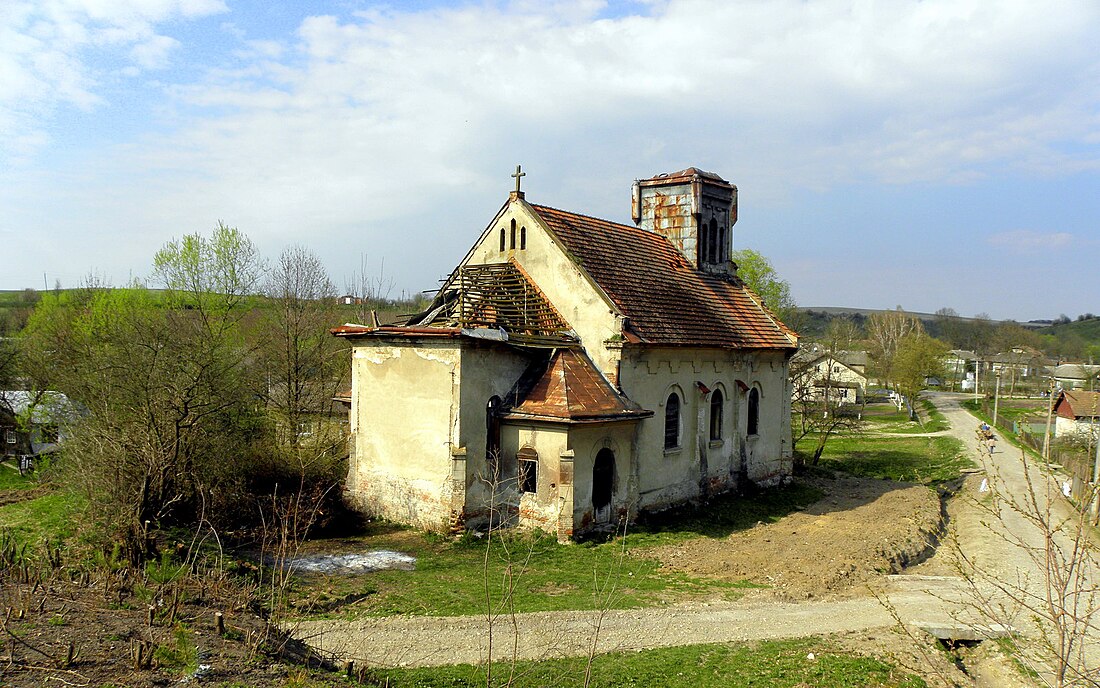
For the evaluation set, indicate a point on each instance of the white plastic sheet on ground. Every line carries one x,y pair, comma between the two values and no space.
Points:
352,563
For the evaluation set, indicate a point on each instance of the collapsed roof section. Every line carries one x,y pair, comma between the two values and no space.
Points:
497,296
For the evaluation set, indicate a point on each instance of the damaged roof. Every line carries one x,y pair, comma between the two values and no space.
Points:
667,300
566,387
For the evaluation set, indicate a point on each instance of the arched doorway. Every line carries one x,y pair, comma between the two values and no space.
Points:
603,484
492,437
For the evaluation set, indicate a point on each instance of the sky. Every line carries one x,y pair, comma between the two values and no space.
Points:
943,153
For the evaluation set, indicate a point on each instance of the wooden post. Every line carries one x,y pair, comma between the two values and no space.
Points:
219,623
151,612
1050,412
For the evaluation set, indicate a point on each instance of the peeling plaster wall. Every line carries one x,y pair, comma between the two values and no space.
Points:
586,441
701,466
404,407
545,508
487,370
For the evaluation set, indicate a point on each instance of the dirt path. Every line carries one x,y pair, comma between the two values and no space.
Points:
831,550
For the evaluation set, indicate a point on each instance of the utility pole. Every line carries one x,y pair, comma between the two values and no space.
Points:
996,397
1050,412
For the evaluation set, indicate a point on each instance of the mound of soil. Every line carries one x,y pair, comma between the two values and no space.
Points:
860,529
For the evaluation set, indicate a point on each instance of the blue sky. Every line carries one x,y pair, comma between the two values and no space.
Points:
922,154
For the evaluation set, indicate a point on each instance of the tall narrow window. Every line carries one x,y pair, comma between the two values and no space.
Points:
716,407
712,241
502,240
528,460
754,412
512,240
523,237
723,244
672,421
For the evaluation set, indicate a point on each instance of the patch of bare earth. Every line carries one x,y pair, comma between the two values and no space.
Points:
861,529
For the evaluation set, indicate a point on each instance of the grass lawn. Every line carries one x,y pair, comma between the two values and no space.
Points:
451,575
777,664
925,460
50,516
886,418
11,480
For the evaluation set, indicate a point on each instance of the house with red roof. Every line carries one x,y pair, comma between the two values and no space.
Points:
573,372
1076,412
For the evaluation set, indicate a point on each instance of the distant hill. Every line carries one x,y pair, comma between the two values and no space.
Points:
1088,329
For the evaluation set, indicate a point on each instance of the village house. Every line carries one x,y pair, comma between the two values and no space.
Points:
833,378
1075,376
1076,412
574,371
31,424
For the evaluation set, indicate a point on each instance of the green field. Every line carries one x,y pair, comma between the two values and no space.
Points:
451,576
924,460
776,664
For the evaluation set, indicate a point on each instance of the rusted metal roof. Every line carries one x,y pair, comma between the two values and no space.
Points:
353,330
666,300
683,176
566,387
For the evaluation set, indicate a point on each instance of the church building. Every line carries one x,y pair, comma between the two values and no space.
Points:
573,372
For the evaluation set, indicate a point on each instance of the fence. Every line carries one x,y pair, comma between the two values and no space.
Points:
1075,461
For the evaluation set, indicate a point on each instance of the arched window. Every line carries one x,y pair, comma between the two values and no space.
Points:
716,408
723,244
512,240
528,460
672,421
753,425
523,237
502,240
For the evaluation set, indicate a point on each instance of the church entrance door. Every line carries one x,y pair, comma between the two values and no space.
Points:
603,479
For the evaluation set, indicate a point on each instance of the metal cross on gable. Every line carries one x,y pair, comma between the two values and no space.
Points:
519,173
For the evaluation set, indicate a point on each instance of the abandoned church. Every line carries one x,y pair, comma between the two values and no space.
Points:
572,372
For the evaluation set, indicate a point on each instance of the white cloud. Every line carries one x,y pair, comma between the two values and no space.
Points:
47,49
1026,241
384,131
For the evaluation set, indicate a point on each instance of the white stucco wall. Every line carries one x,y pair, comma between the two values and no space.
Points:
669,476
400,469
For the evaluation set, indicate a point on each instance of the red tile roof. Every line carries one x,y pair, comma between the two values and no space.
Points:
568,388
666,300
1078,404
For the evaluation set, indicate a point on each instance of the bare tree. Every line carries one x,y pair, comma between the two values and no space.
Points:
886,330
1053,599
825,404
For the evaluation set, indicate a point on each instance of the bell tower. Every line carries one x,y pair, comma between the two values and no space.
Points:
693,209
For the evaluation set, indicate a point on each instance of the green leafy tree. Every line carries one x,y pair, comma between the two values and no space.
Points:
172,420
759,275
918,358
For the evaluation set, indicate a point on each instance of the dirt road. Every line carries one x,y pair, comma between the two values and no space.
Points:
932,595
